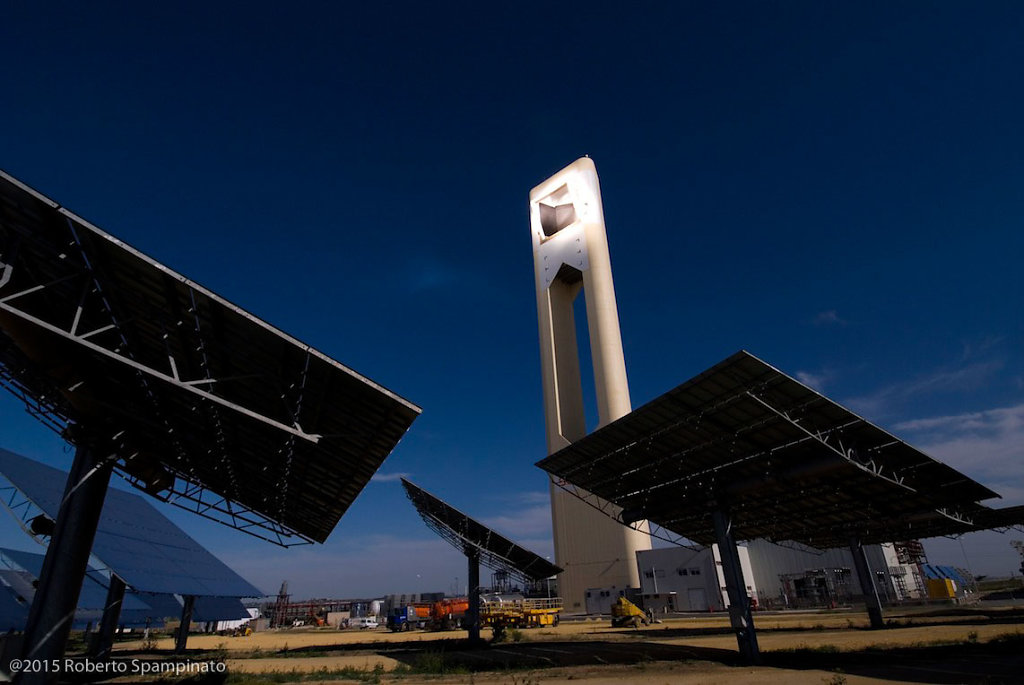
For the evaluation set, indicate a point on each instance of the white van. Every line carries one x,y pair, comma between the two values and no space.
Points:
364,623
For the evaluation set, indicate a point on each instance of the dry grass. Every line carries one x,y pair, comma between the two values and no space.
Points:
319,654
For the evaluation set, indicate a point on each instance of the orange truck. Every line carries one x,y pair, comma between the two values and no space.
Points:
447,614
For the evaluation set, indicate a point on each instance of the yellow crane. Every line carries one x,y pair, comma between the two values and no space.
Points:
625,613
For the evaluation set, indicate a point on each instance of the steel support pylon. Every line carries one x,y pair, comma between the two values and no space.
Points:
739,602
867,584
473,613
67,558
186,623
103,642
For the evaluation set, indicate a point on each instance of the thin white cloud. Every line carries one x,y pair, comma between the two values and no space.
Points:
369,566
829,318
530,521
972,349
992,420
544,547
538,497
388,477
986,445
817,381
529,497
886,398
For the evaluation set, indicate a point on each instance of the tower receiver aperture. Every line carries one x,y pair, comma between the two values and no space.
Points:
556,211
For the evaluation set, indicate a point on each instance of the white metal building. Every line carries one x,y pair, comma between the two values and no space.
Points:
776,576
694,575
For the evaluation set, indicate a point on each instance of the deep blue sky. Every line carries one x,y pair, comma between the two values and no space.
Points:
836,187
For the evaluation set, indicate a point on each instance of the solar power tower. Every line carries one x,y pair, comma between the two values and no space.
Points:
480,544
186,395
743,451
570,255
138,547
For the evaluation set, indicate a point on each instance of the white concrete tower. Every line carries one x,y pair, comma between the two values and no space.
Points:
570,254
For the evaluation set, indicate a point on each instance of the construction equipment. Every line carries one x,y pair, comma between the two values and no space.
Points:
941,588
541,611
447,614
409,617
444,614
500,611
277,615
496,611
627,614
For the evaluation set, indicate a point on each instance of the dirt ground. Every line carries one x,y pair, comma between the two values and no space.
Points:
659,673
694,649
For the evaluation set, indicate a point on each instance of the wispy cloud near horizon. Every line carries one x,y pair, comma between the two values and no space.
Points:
986,445
528,497
816,380
890,397
368,566
388,477
529,521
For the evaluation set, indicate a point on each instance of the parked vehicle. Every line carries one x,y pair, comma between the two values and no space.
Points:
364,623
447,614
502,611
409,617
625,613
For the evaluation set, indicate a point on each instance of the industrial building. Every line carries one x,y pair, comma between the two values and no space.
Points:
675,579
777,576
